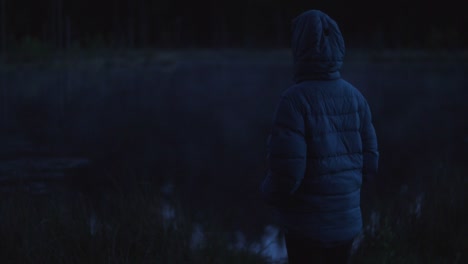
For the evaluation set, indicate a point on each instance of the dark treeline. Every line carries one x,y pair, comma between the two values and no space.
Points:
63,24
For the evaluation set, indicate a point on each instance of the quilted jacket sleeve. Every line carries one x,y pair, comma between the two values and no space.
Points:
369,144
287,149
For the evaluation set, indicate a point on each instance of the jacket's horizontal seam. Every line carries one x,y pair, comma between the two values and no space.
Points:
335,155
284,157
327,114
337,172
311,135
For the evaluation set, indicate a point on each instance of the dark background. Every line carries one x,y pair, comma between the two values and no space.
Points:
179,95
221,24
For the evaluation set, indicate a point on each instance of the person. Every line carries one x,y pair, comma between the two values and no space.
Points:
321,148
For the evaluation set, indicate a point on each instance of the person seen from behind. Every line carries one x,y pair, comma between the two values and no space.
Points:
321,149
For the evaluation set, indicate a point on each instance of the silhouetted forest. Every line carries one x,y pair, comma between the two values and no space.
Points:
61,24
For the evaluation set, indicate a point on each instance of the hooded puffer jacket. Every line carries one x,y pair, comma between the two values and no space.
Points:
323,142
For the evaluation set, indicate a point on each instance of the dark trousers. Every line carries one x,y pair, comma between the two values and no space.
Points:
303,250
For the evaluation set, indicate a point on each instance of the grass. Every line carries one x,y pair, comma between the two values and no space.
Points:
129,228
122,228
429,227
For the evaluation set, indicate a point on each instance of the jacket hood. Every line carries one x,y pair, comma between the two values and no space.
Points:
317,45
